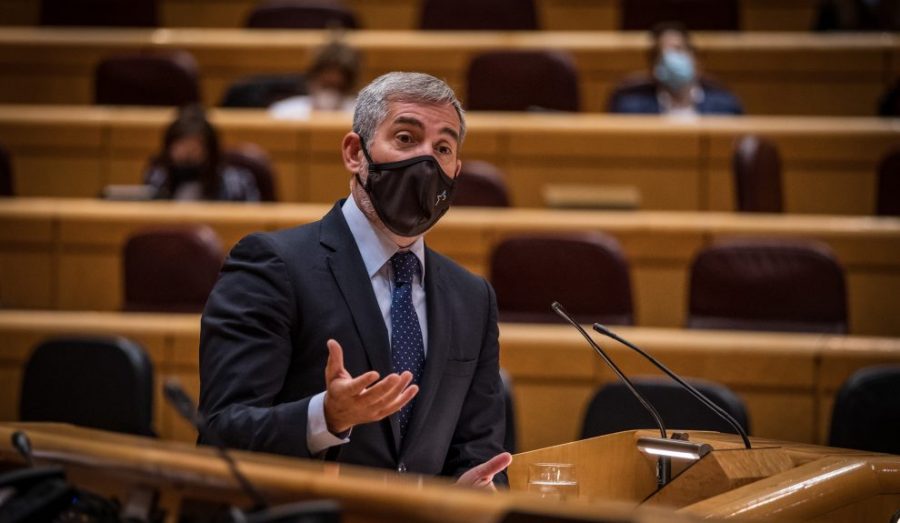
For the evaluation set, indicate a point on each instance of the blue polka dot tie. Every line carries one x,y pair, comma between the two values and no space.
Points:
407,348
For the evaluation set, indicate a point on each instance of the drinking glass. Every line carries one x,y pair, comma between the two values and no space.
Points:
553,480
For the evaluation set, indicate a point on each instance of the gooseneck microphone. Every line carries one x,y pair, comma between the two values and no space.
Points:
561,312
22,444
182,403
687,386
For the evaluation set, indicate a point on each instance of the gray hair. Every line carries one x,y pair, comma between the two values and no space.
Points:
372,102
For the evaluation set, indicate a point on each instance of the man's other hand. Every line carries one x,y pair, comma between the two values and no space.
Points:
482,476
353,401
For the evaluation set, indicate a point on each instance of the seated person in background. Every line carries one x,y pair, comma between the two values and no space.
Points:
330,82
191,166
676,87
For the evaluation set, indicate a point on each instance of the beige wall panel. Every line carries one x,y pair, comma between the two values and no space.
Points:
550,413
26,279
90,281
659,295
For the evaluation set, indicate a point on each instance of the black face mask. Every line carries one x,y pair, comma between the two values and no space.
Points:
409,196
185,173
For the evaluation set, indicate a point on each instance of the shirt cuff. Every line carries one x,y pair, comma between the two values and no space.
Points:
318,437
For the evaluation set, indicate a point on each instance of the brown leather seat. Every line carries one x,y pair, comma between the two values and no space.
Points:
587,273
256,160
696,15
301,14
522,81
167,79
480,184
171,269
757,175
7,187
888,193
99,13
768,285
474,15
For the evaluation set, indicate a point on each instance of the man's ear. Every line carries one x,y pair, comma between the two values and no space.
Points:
458,167
351,152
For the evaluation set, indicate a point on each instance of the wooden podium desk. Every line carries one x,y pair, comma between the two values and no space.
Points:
773,481
788,381
66,253
772,73
123,466
553,15
829,164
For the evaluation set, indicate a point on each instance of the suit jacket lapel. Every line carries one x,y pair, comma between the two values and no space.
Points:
349,271
440,334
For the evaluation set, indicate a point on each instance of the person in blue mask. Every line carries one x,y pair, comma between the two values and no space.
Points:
675,85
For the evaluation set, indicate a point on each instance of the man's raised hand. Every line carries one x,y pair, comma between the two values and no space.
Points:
353,401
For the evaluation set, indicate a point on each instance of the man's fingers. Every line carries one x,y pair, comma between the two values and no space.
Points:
494,465
398,401
359,383
335,365
482,475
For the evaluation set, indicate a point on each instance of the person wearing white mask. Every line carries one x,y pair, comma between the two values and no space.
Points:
330,82
675,86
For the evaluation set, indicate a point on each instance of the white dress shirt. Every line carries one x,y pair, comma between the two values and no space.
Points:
376,250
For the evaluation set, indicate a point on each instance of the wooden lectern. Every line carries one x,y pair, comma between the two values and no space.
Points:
772,481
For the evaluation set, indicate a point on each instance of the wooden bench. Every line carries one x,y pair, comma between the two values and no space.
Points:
555,15
829,164
66,253
772,73
788,381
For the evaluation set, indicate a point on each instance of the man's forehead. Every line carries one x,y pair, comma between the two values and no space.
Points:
426,114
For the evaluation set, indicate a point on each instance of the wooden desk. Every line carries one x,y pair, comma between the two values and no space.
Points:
772,73
829,164
66,254
169,473
788,381
554,15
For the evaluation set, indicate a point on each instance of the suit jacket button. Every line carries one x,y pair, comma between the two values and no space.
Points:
401,468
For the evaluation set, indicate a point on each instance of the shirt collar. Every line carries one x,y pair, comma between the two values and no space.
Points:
376,249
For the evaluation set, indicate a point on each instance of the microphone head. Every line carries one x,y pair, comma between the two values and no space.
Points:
602,329
22,444
179,399
557,308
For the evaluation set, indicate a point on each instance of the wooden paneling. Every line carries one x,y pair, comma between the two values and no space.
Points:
829,164
555,15
773,73
80,261
788,381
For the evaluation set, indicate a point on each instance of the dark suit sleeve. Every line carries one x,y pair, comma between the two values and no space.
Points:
480,432
245,351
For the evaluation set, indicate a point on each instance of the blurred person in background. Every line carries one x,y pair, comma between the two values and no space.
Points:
330,81
675,86
191,164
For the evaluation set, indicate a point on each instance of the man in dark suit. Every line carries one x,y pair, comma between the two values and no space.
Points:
675,85
347,338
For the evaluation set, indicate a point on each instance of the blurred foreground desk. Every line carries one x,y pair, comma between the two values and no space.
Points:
775,481
66,253
788,381
122,466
